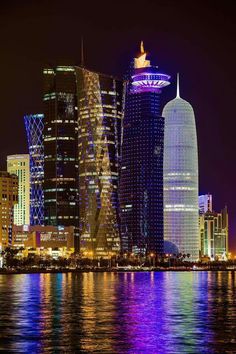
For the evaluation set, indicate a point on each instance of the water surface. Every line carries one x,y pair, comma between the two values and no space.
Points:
162,312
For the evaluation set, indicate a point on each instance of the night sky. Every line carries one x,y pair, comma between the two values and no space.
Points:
194,38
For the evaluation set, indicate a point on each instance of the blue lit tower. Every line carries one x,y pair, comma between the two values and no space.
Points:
34,130
141,175
181,214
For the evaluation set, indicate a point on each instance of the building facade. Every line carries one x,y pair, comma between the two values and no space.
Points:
214,234
44,240
8,200
100,116
19,165
141,175
205,203
60,140
34,130
181,212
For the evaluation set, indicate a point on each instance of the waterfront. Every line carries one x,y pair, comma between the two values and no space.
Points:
148,312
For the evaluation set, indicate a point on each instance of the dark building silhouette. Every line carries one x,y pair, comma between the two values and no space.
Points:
60,147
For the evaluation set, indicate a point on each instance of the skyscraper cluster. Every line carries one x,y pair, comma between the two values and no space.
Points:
105,159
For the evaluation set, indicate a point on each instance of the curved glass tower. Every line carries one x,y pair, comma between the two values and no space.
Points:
181,225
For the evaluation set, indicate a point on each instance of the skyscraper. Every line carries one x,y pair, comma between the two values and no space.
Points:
34,130
19,165
8,199
60,147
141,181
100,116
181,224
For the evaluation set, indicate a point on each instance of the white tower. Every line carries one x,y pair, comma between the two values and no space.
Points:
181,224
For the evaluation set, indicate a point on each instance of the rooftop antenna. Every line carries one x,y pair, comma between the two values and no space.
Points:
177,87
82,52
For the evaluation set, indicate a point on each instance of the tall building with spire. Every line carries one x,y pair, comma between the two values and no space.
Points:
141,176
181,212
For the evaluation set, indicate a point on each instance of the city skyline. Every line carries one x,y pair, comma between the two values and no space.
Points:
205,48
117,176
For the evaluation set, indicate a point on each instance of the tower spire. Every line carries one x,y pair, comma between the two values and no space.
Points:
82,52
177,87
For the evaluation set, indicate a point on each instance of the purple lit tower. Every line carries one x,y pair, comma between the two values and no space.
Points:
141,177
181,214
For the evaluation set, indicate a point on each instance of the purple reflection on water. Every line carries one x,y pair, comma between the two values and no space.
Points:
169,312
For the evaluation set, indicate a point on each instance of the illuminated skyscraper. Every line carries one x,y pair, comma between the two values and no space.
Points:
99,140
19,165
34,130
60,147
181,213
141,183
8,200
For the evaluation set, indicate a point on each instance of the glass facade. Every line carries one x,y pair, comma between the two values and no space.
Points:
181,225
141,181
99,143
34,129
60,147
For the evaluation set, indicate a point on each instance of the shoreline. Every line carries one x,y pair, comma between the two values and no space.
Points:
107,270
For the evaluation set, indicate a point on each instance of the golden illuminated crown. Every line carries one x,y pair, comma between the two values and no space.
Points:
141,61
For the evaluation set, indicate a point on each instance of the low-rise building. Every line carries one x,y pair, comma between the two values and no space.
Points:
44,240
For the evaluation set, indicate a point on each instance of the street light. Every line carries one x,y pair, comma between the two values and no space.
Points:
152,255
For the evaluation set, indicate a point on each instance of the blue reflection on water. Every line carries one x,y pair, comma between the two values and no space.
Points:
169,312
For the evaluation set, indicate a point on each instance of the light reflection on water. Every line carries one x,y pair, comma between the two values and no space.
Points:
169,312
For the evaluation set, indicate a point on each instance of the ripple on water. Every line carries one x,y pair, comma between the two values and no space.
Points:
169,312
